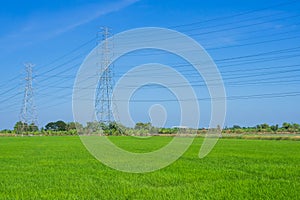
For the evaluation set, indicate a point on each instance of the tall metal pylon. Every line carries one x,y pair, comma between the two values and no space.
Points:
105,85
28,114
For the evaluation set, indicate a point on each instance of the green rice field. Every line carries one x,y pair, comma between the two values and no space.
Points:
61,168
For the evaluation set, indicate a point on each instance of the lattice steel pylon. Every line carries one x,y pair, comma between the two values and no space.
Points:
105,85
28,114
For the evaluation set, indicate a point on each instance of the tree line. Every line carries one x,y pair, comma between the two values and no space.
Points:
73,128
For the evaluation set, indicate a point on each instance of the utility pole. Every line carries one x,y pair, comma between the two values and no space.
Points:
28,115
105,85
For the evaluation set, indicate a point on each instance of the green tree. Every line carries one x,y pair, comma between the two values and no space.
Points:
141,125
33,128
74,126
95,127
56,126
51,126
19,127
264,126
286,126
274,128
61,125
24,127
295,127
236,127
71,126
116,129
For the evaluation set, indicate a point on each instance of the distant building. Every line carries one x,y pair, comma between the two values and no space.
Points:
180,127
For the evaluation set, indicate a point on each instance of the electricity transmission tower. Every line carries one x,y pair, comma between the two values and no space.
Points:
105,85
28,115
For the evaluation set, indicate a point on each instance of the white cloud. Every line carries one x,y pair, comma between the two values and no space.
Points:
91,12
41,26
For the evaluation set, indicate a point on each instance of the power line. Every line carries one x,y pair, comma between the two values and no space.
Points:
223,29
46,76
66,55
227,60
279,51
285,3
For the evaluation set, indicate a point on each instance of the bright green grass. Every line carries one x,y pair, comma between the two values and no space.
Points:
61,168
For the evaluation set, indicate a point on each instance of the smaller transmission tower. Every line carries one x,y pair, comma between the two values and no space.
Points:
105,85
28,115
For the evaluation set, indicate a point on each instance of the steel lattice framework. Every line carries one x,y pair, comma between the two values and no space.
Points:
28,114
105,85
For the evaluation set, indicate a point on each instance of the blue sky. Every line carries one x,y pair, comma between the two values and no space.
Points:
254,44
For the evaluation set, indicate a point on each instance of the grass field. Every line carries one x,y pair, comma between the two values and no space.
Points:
61,168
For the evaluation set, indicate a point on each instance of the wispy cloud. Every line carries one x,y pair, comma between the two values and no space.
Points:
41,26
92,12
